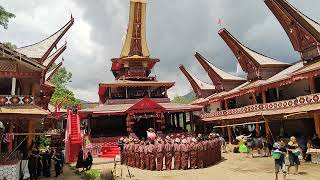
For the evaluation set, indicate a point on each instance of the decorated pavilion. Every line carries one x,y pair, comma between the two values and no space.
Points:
135,100
278,98
26,90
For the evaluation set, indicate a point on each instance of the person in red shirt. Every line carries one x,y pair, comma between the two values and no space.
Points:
177,154
193,153
136,153
152,156
184,154
142,155
160,154
168,149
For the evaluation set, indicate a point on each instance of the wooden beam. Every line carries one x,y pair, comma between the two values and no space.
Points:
11,74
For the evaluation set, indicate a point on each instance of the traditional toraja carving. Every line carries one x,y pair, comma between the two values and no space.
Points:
136,42
303,32
262,109
202,89
134,61
16,100
256,65
221,79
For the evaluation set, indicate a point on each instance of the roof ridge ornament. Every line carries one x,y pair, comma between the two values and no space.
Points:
303,32
197,85
136,41
250,61
42,49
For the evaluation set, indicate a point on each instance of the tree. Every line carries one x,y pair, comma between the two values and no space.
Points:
4,17
10,45
61,79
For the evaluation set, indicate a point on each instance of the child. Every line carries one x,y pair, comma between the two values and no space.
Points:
279,148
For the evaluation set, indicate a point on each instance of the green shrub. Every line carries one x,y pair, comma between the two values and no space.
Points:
92,174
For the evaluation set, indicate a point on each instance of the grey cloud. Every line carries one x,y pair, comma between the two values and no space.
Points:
175,29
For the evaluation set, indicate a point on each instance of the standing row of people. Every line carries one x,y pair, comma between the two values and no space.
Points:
169,153
39,164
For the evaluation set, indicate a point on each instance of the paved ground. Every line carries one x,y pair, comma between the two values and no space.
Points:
233,167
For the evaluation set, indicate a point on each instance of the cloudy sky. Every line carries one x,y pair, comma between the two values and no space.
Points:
175,30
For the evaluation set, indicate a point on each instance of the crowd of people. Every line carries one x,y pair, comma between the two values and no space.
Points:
169,153
40,164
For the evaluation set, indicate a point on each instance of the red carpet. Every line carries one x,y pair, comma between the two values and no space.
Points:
109,151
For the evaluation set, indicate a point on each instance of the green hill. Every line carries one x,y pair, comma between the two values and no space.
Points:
186,99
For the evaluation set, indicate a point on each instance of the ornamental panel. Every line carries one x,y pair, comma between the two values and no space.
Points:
16,100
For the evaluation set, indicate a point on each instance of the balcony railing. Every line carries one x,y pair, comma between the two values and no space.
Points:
7,100
299,101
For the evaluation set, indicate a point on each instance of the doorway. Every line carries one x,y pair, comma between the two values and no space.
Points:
142,125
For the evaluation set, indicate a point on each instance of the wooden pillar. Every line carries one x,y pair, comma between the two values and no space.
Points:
258,132
191,121
254,101
178,120
13,86
267,128
228,127
129,124
15,130
126,92
184,120
316,116
10,137
229,134
30,136
173,120
149,92
109,92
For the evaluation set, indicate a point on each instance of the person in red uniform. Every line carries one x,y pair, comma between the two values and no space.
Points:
160,154
152,156
124,159
177,154
184,154
168,149
193,153
211,150
200,149
136,153
205,153
142,155
218,145
146,155
130,153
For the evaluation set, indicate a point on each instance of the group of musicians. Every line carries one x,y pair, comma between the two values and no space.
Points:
171,153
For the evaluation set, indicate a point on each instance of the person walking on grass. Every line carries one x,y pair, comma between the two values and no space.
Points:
279,153
294,151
